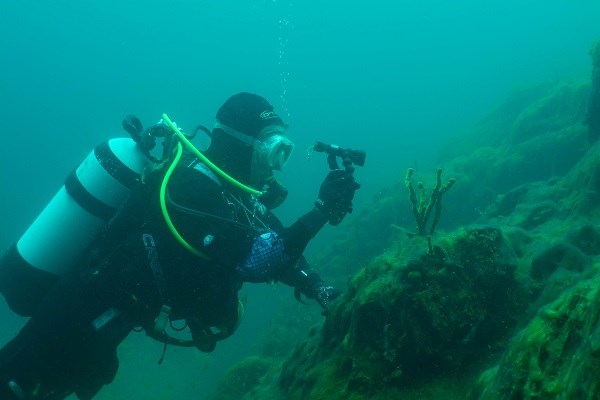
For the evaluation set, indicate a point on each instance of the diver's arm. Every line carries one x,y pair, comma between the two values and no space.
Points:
277,255
297,236
334,202
306,281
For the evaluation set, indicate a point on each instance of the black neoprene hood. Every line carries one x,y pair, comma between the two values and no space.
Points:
248,113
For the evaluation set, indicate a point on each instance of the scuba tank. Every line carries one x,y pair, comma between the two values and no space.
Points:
90,197
59,237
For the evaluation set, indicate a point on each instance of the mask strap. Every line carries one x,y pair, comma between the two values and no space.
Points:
249,140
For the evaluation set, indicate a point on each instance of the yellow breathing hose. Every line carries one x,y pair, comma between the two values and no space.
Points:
163,206
165,182
206,161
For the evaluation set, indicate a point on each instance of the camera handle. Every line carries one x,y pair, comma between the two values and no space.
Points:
339,215
349,158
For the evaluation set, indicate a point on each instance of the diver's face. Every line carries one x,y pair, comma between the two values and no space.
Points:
272,151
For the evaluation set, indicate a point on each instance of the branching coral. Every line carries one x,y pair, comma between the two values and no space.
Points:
422,208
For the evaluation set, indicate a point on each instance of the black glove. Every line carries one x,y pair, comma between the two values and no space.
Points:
336,194
309,284
326,294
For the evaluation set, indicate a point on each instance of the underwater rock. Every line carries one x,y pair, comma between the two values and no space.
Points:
537,134
589,197
506,203
556,356
242,378
533,215
518,239
586,239
554,270
563,106
594,183
558,255
593,112
401,323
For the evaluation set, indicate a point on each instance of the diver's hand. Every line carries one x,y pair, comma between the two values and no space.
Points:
336,194
325,294
310,284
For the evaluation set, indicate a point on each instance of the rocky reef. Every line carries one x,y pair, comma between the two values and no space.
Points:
503,303
401,322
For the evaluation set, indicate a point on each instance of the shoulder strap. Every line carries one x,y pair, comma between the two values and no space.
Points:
197,165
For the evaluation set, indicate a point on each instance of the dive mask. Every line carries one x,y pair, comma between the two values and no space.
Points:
272,149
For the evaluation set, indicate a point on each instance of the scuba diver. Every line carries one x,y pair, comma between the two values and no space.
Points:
180,245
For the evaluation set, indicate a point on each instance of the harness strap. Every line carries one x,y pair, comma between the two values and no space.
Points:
202,168
160,322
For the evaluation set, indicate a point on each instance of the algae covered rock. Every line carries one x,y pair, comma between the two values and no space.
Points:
401,322
556,356
587,239
242,378
558,255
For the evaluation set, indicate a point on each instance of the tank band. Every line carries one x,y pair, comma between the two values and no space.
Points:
23,285
86,200
115,167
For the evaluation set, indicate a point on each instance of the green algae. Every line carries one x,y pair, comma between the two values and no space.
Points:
405,322
556,356
242,378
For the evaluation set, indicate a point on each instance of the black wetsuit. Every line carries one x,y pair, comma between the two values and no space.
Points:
136,267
